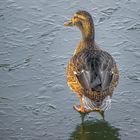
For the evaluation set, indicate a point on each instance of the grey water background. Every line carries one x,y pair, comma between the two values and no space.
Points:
35,101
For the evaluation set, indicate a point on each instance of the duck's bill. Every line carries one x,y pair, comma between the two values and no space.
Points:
69,23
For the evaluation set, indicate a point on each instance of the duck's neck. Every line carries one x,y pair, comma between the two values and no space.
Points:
87,31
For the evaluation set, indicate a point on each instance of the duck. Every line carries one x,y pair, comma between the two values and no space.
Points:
91,72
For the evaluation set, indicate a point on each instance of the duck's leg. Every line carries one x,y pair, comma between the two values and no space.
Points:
83,117
101,112
80,108
83,107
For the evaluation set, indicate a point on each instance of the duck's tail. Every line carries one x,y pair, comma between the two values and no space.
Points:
91,105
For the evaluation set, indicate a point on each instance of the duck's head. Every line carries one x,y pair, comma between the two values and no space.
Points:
83,20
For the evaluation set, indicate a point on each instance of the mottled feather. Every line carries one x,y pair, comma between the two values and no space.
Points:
94,70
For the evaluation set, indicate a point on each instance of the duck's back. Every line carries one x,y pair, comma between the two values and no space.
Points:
92,73
93,69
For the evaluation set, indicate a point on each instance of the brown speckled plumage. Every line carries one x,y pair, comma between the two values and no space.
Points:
91,72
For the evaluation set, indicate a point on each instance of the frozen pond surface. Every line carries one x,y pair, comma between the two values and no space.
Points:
35,102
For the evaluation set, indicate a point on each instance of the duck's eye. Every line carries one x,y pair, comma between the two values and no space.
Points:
75,17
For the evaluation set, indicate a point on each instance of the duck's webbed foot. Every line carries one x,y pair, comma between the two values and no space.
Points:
81,109
96,109
101,112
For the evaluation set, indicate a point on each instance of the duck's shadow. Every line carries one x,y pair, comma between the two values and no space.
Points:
95,130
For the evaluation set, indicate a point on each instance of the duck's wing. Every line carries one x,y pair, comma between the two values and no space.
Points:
94,69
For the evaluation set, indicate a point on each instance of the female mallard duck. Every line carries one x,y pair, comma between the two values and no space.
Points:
91,73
